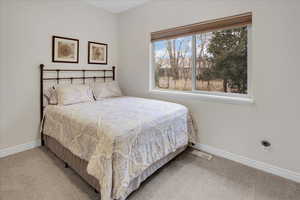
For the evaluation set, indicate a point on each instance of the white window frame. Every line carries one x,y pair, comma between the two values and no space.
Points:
207,95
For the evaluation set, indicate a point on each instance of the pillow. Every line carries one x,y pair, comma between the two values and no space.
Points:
106,90
72,94
50,95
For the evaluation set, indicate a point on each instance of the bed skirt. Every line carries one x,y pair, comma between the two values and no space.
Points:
79,165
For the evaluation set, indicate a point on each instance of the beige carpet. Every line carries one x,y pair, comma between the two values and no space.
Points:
38,175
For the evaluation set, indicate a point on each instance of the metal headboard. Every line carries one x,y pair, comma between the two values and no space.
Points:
105,76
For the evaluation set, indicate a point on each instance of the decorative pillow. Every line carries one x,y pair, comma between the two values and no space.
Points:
50,95
72,94
106,90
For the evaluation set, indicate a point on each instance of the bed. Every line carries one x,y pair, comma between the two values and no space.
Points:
114,144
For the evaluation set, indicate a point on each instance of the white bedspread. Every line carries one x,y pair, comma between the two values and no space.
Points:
119,137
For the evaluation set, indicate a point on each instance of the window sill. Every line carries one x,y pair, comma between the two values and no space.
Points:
206,97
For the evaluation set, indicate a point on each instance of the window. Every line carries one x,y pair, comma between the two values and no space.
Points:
173,63
209,57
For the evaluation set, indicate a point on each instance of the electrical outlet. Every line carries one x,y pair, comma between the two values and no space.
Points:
267,146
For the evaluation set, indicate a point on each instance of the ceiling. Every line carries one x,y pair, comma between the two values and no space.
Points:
116,6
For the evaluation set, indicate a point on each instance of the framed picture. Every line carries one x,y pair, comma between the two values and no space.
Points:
65,50
97,53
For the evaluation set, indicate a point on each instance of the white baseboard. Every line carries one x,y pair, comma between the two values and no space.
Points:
209,149
294,176
19,148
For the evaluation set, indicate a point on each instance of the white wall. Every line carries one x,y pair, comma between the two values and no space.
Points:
275,57
26,28
1,70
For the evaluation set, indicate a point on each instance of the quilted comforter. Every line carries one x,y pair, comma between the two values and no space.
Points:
119,137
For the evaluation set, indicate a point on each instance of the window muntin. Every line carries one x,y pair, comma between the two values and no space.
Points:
210,62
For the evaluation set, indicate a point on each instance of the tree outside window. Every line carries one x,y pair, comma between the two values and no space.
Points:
220,62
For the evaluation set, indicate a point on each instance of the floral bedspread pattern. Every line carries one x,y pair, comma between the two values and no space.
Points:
119,137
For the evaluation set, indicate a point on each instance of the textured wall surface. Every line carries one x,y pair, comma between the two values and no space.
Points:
26,41
275,71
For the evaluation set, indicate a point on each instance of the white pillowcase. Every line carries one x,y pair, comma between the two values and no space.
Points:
106,90
72,94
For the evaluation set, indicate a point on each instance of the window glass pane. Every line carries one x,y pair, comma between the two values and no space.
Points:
173,63
221,61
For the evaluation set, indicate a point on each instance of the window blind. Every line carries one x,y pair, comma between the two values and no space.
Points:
205,26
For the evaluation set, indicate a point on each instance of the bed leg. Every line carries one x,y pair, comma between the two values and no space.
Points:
66,165
96,191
